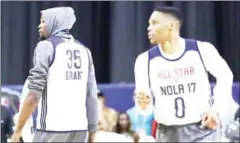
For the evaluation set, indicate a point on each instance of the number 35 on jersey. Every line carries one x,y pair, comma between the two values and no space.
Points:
73,64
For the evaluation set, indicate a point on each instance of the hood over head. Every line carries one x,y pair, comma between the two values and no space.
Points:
58,19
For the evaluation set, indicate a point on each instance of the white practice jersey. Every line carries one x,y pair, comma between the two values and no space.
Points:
63,103
179,83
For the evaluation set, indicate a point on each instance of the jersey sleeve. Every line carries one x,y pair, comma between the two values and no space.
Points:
217,66
91,99
38,74
141,73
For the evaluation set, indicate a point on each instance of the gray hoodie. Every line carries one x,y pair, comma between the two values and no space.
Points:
58,21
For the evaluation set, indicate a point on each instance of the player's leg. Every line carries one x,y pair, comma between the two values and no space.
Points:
50,137
80,136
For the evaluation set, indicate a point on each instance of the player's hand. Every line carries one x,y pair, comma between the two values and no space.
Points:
210,119
16,137
91,137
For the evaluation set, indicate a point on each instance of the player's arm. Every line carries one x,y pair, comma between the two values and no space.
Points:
37,79
218,67
141,74
91,99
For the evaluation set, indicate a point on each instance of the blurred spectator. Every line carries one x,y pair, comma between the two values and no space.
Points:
10,98
103,136
6,124
154,128
232,131
108,116
231,124
141,114
237,115
147,139
123,127
10,102
228,119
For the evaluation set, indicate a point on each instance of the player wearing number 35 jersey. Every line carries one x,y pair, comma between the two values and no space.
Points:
175,71
62,81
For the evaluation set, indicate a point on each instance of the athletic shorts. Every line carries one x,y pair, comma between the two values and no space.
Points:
187,133
75,136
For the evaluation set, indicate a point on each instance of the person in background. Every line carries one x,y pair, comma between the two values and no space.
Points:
123,127
108,116
141,115
232,130
154,128
106,136
6,124
11,99
237,115
10,102
147,139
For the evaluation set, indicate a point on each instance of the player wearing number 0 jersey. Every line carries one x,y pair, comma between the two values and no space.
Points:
175,72
62,81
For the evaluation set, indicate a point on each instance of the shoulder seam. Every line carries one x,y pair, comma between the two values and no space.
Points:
45,41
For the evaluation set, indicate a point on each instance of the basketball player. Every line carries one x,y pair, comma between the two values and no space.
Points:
63,78
176,72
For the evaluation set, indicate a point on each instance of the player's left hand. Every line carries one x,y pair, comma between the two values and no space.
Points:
16,137
210,119
91,137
